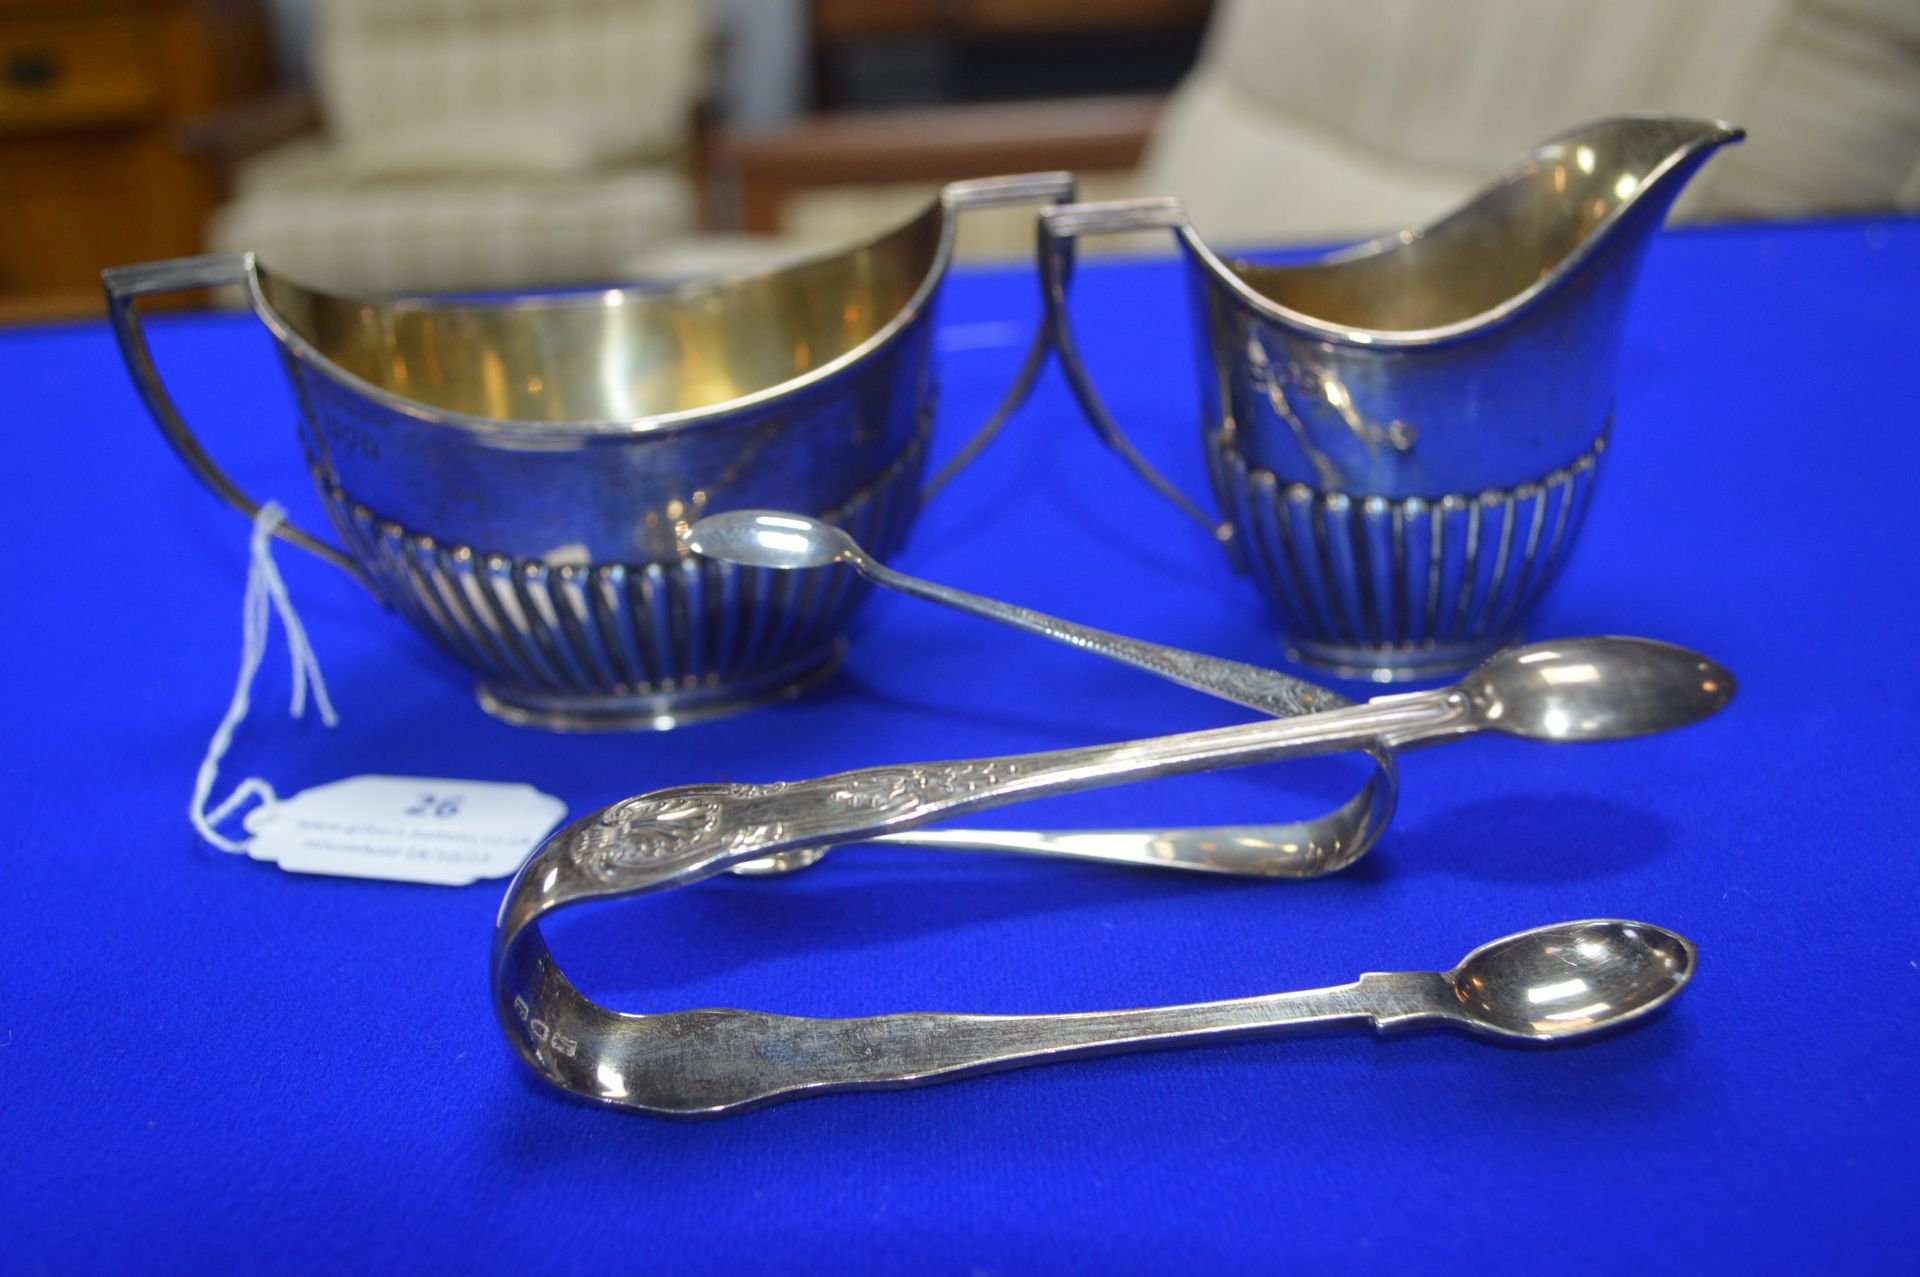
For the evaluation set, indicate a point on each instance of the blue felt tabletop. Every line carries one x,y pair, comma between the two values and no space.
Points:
205,1061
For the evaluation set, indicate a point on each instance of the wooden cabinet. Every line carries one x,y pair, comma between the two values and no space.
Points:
94,96
941,144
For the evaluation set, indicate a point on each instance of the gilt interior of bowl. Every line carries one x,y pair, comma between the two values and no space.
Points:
622,354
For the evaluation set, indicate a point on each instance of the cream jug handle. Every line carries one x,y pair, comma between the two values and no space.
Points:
990,192
125,285
1058,227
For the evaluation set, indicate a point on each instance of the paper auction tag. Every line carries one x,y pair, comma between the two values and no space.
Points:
405,828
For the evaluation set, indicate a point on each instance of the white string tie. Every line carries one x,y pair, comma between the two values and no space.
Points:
266,594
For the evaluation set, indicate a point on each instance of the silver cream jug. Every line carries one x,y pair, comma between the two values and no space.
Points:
1403,436
511,475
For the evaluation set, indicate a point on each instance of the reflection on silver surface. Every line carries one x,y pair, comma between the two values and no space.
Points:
1564,981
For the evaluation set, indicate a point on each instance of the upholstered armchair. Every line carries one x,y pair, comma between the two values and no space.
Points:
480,144
1318,120
1311,121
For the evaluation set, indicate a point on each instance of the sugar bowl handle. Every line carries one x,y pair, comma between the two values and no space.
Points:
994,192
125,285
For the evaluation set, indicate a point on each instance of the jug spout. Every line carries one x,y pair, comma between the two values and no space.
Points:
1579,214
1600,190
1640,160
1614,182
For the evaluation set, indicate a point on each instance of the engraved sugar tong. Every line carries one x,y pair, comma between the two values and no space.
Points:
1570,691
1321,845
1548,984
782,541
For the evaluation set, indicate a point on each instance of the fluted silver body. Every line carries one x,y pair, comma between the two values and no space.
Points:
676,638
1431,583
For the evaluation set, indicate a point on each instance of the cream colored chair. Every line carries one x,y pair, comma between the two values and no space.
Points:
481,144
1316,120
